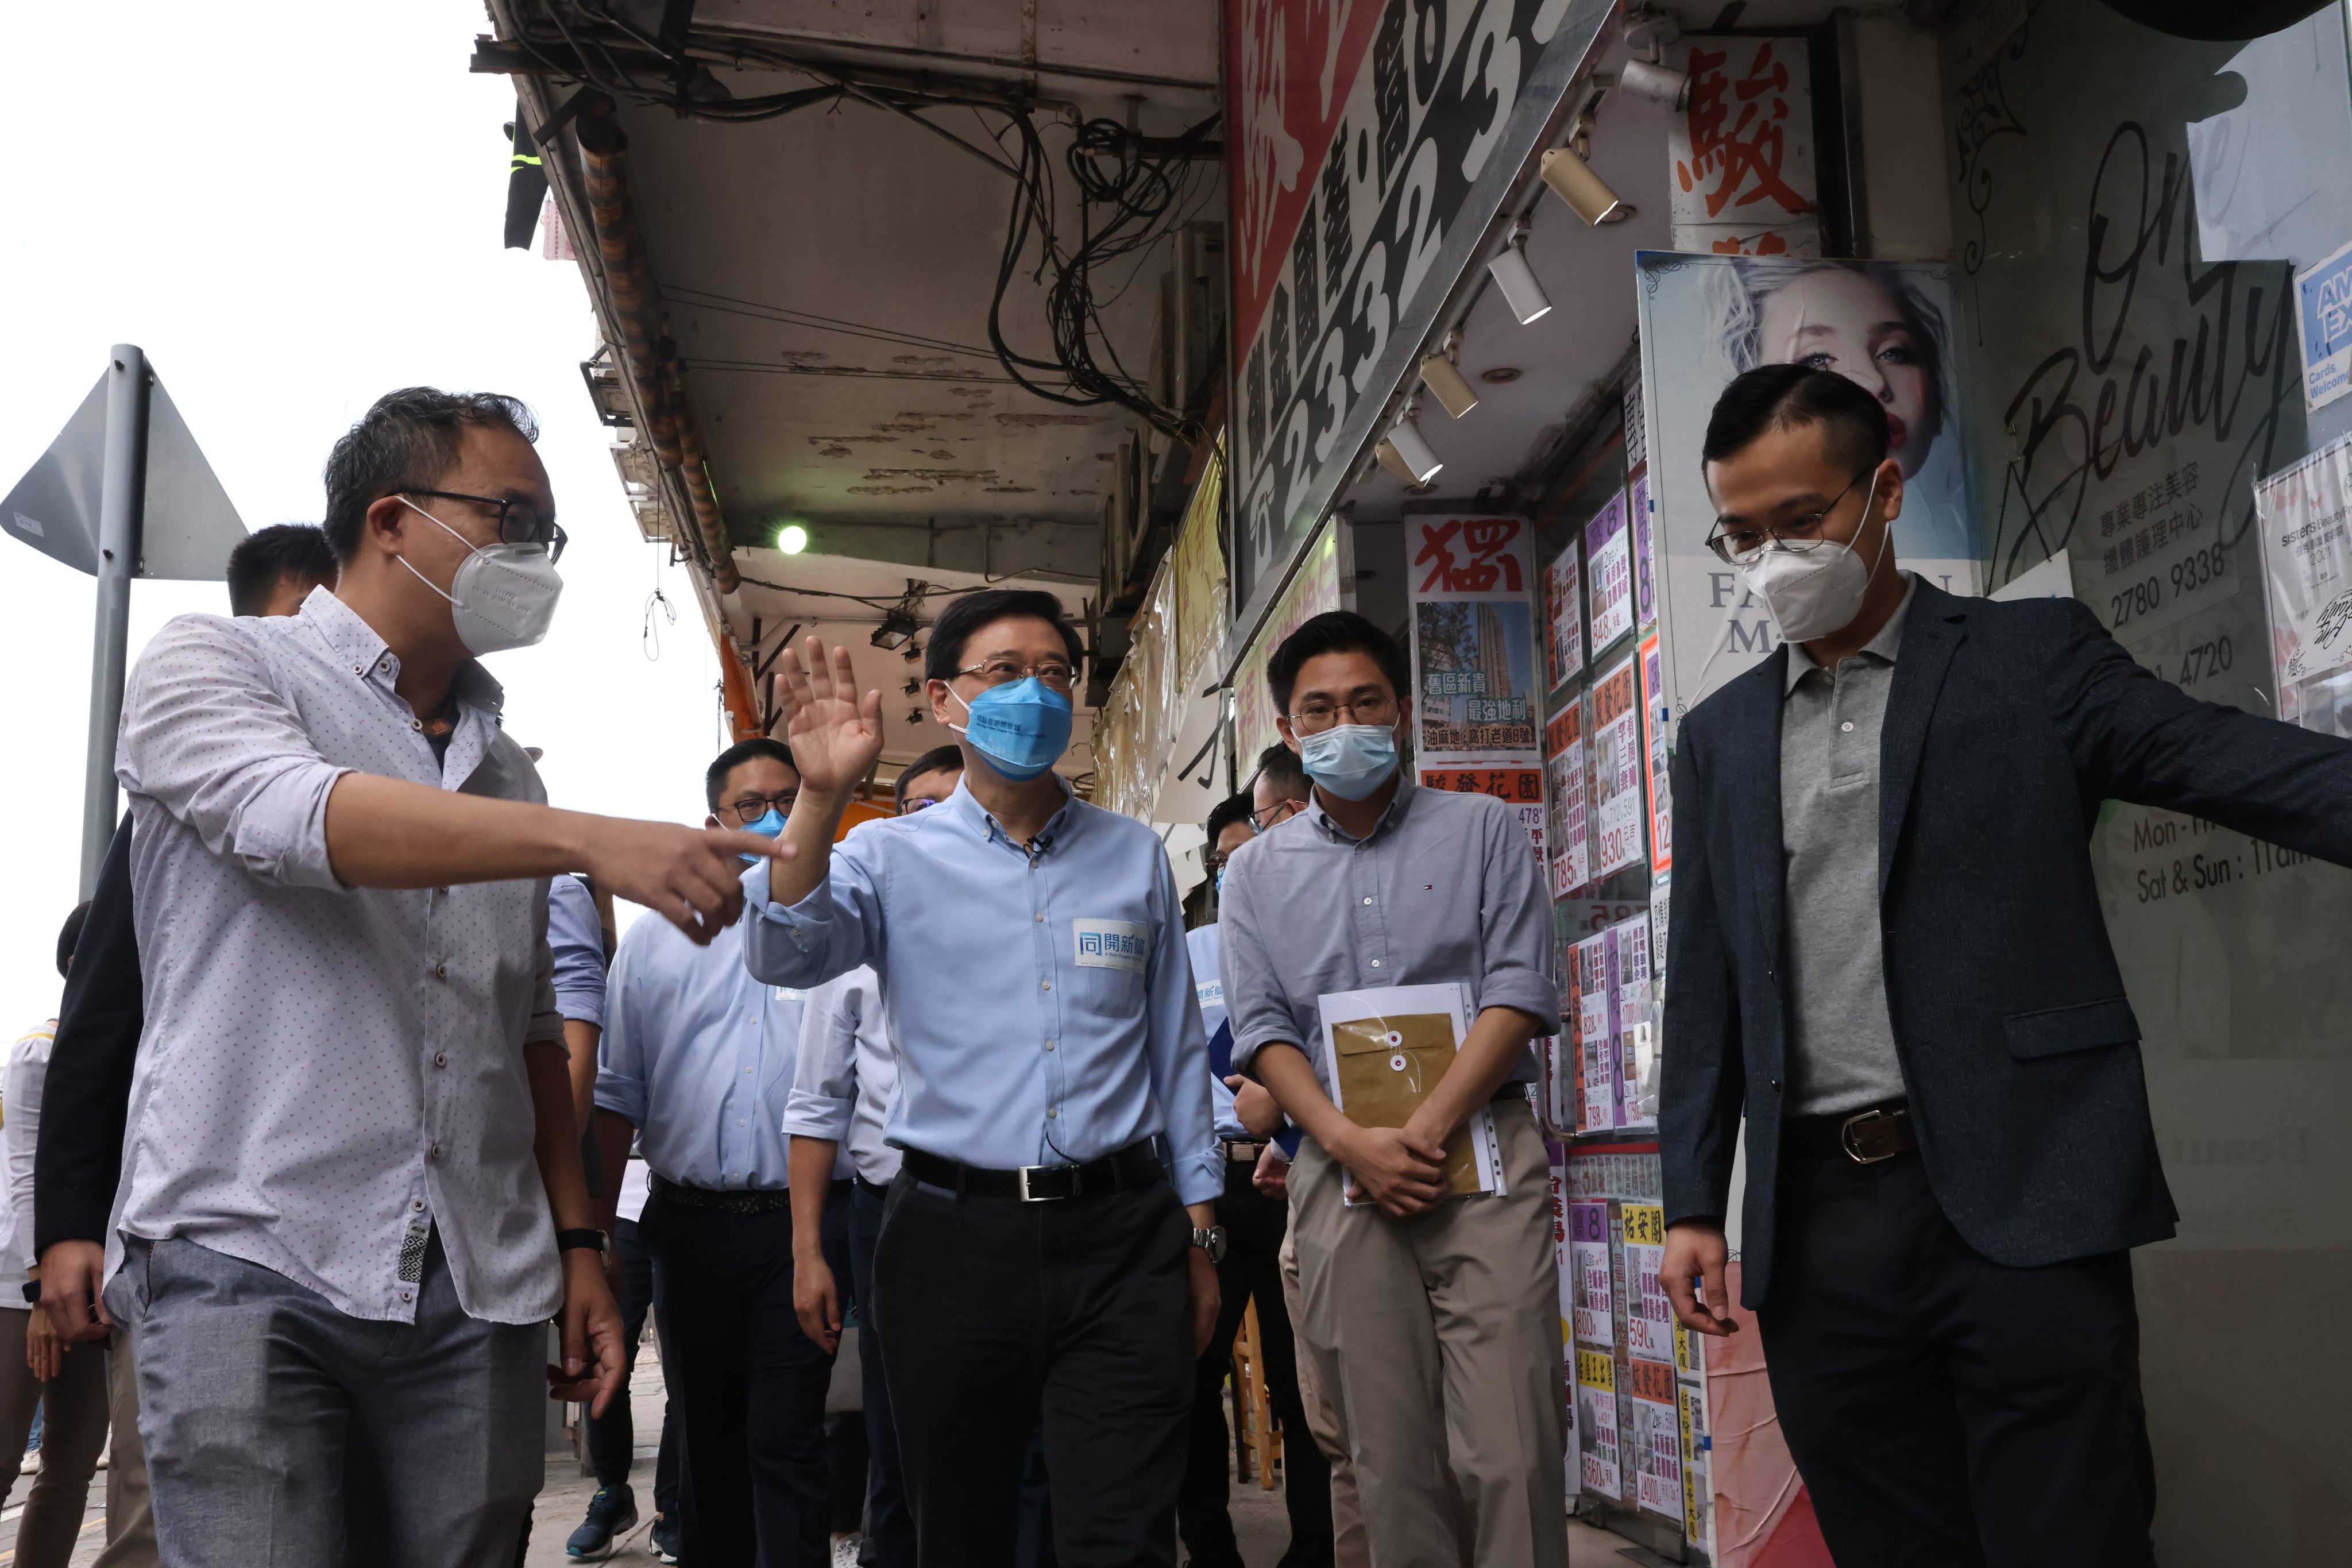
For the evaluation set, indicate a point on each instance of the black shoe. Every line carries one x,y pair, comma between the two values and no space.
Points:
612,1512
668,1538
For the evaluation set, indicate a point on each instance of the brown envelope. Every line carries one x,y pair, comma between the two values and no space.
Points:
1388,1065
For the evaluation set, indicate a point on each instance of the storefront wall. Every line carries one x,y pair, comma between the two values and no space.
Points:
2128,210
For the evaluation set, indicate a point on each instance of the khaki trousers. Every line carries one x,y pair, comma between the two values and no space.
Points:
1437,1338
1348,1548
129,1516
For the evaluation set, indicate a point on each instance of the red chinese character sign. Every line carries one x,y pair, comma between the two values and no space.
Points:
1742,153
1477,679
1521,789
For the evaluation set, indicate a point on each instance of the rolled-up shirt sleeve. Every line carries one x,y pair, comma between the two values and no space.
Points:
830,933
1179,1055
825,1079
209,737
576,943
1515,921
1255,1006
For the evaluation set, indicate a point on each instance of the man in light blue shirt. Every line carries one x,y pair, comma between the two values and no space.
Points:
698,1056
1036,1259
847,1084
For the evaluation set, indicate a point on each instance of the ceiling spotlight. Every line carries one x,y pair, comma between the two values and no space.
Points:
1445,383
913,653
791,539
914,715
897,631
1501,375
1661,84
1517,280
914,686
1407,455
1585,193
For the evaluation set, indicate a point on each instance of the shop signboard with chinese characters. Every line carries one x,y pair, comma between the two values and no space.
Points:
1371,146
2303,517
1741,154
1612,724
1521,789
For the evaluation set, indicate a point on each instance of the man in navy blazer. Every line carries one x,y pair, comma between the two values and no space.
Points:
1888,957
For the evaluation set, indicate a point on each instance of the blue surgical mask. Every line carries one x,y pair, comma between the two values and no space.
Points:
1352,760
1022,728
1220,880
769,827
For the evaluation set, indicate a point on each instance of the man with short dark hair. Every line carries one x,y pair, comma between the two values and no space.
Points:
929,779
1279,790
1036,1257
272,570
698,1056
1431,1319
344,1239
1887,959
1257,1226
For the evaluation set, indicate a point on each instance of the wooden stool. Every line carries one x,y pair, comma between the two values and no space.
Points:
1257,1446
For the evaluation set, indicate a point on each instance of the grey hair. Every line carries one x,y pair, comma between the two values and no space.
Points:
408,440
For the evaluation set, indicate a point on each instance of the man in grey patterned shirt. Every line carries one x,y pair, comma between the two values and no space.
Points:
351,1185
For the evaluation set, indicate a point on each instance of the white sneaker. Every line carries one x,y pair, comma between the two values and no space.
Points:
844,1550
32,1464
106,1453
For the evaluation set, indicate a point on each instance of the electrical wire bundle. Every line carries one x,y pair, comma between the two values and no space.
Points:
1140,198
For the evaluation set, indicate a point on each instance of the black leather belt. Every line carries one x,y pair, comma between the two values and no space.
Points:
1865,1137
733,1200
1134,1166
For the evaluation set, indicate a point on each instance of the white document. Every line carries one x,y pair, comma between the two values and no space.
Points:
1393,1043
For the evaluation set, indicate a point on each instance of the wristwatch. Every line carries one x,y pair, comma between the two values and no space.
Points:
1211,1241
582,1240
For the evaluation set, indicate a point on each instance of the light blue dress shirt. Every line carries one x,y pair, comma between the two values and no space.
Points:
848,1074
576,940
1200,944
698,1056
1041,1001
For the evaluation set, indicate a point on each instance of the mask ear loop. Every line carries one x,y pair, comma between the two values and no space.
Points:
445,528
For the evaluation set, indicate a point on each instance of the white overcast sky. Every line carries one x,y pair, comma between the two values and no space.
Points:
294,208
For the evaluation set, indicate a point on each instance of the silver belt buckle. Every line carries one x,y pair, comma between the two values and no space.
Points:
1845,1137
1026,1172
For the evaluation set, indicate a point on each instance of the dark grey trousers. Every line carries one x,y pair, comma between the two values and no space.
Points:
279,1431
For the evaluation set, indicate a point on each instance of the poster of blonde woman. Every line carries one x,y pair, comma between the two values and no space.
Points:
1885,325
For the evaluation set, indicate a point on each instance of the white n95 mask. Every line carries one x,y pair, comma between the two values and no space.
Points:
1816,592
503,595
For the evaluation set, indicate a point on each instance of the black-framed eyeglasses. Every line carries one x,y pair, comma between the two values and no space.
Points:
749,808
1053,672
920,803
1272,817
1315,715
519,521
1740,545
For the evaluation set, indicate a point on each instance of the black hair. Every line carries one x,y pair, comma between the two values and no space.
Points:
944,656
937,760
1281,766
408,440
71,934
267,556
1335,631
1854,433
714,780
1233,808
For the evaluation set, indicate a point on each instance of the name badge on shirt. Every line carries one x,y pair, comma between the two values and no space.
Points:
1111,944
1212,993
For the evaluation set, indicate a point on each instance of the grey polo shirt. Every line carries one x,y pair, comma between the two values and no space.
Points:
1444,887
1840,1041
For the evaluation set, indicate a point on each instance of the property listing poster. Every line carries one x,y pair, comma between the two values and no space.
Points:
1556,1161
2305,517
1655,1439
1609,563
1645,566
1593,1017
1593,1320
1657,721
1649,1316
1564,617
1612,726
1572,861
1474,650
1637,1035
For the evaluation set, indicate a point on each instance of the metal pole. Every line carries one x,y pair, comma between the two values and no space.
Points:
121,517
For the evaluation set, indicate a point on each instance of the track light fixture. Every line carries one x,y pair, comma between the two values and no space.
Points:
1661,84
1445,380
1646,30
1407,455
1517,280
1571,179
